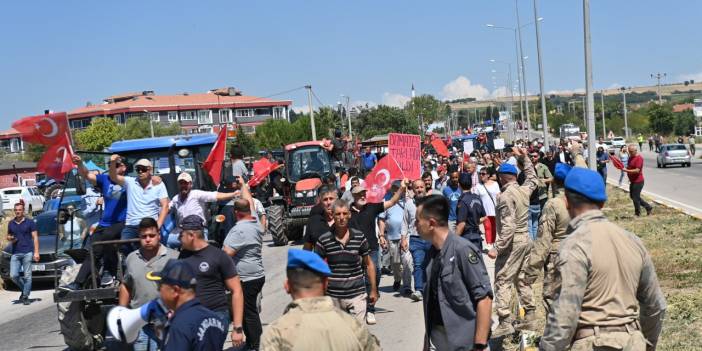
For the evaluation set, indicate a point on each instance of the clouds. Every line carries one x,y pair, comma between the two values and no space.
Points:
697,77
461,88
566,92
394,99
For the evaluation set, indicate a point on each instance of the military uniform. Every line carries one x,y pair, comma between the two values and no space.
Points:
456,281
315,324
513,243
609,296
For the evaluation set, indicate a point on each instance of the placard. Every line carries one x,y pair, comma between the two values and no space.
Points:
468,147
406,150
498,143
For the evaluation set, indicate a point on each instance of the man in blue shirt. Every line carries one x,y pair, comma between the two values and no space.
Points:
452,193
145,198
193,327
110,225
369,160
22,233
392,239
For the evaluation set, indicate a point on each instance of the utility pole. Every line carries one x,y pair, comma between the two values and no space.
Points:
604,129
544,117
309,103
521,59
658,77
626,122
348,113
592,162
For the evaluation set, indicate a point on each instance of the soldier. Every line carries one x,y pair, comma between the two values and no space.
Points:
609,297
311,322
513,243
552,229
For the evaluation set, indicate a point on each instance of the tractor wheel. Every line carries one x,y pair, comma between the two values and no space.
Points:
51,190
73,322
276,225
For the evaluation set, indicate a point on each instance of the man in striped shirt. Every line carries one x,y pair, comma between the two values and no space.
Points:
347,252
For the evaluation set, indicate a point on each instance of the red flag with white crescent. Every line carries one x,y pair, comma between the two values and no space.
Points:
262,168
616,162
213,163
58,159
46,129
379,180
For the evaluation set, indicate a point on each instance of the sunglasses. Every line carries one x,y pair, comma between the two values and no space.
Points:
144,236
141,169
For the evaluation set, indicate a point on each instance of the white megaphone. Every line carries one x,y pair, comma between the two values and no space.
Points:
124,323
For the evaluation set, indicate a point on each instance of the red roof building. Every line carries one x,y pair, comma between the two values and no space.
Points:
196,113
683,107
11,141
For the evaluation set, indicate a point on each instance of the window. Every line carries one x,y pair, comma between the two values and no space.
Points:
244,112
204,117
80,123
225,116
120,118
172,116
263,111
187,116
279,112
154,116
204,130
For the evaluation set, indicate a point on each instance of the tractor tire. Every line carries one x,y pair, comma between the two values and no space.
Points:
276,225
51,190
72,321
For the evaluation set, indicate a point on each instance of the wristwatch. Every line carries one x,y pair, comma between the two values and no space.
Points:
238,329
480,346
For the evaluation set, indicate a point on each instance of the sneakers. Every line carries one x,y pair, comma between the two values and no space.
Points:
504,328
416,296
106,279
370,318
395,286
26,301
70,287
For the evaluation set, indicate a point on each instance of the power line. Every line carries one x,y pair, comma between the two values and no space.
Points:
318,100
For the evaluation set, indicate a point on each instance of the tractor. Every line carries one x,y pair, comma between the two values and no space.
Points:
307,165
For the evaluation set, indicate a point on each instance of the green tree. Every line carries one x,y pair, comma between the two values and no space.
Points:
101,133
275,133
139,127
247,143
661,118
684,123
384,119
33,152
427,106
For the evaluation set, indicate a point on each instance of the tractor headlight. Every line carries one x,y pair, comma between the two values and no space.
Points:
299,195
312,193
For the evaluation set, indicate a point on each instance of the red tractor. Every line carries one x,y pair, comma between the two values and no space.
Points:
307,164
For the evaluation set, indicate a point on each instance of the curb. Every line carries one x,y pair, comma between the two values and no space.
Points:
657,200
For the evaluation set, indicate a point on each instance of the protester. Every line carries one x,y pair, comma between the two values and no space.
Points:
396,243
192,326
236,155
602,160
488,190
324,326
609,293
216,273
634,171
348,196
458,297
419,248
624,157
321,217
469,213
540,195
22,234
452,193
428,180
347,252
136,290
74,232
368,159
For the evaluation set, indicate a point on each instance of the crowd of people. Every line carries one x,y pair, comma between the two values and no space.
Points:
531,208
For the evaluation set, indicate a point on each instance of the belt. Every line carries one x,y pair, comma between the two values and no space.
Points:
584,332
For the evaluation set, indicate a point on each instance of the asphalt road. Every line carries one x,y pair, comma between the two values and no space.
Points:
675,185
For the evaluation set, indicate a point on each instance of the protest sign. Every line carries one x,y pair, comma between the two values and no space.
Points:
498,143
406,150
468,146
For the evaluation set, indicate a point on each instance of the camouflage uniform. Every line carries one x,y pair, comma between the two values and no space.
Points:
552,229
315,324
513,243
609,297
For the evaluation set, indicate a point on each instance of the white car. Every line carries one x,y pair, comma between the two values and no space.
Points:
33,200
618,142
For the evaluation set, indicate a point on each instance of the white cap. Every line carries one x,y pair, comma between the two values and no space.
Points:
143,162
186,177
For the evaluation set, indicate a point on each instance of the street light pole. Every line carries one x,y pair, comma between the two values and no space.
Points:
510,127
544,117
626,122
309,104
588,87
348,114
521,58
604,129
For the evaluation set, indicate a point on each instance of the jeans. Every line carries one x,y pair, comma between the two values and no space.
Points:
225,316
635,195
419,249
146,340
129,232
23,261
603,174
103,253
534,212
252,320
375,257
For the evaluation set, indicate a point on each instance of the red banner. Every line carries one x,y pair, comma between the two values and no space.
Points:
46,129
262,168
379,180
406,149
440,147
616,162
58,159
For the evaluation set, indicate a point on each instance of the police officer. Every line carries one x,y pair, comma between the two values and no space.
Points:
513,244
311,321
552,229
458,296
609,297
192,326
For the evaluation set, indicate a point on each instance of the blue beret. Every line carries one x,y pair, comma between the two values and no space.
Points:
307,260
507,168
587,183
562,170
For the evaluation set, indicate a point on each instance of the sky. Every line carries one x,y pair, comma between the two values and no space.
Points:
59,55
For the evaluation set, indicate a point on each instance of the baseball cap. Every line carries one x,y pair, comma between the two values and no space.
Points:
186,177
143,162
357,189
192,222
175,272
307,260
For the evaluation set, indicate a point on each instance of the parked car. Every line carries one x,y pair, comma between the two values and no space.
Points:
670,154
33,199
618,142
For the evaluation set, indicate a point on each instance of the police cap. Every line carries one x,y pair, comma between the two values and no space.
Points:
307,260
507,168
587,183
561,171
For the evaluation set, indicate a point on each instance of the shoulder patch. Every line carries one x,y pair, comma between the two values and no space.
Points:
472,257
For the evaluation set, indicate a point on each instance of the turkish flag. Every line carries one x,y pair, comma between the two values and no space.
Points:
616,162
262,168
58,159
45,129
440,147
379,180
213,163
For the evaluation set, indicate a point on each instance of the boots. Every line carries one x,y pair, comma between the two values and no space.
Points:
504,328
528,323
